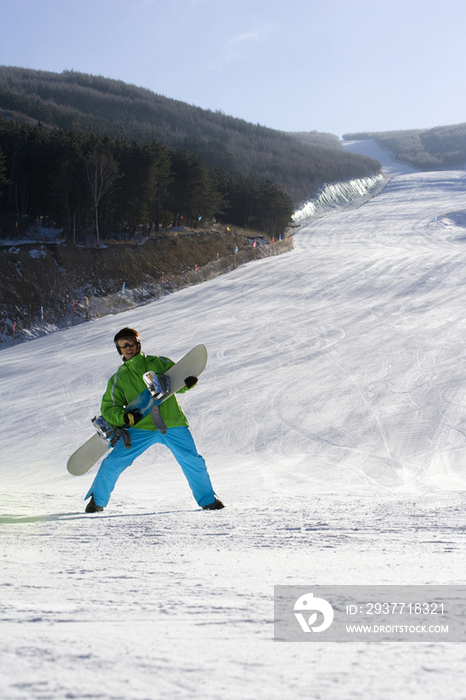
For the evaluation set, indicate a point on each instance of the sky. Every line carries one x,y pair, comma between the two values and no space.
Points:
297,65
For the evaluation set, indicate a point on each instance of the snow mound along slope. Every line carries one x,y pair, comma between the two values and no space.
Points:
338,195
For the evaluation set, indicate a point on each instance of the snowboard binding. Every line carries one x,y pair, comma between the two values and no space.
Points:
112,435
159,386
103,428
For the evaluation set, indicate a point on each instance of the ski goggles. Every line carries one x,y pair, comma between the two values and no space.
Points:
126,345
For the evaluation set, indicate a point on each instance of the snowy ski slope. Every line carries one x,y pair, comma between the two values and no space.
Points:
332,417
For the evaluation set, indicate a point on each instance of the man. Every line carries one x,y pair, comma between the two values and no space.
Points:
122,388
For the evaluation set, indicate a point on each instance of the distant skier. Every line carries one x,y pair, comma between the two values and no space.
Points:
122,388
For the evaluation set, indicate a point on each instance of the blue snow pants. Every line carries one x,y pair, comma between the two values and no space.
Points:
178,440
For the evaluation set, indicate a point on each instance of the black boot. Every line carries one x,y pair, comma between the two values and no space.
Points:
92,507
216,505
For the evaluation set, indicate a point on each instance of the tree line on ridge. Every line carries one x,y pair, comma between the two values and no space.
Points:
299,163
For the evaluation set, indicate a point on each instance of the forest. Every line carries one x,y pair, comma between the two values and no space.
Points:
439,148
298,163
82,182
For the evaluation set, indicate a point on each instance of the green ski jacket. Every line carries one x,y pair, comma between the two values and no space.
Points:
128,383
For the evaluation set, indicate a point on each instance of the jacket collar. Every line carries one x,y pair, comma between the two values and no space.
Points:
136,363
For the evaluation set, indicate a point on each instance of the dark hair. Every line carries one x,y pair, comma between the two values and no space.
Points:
127,333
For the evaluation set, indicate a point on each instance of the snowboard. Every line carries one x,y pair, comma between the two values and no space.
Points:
191,365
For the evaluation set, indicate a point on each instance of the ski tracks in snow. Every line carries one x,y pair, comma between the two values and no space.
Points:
376,327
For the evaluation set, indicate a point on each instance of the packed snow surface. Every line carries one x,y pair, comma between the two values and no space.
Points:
332,418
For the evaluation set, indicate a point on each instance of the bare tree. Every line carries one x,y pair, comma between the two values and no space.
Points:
101,171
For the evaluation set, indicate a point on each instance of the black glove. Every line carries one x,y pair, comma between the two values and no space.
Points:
132,417
190,381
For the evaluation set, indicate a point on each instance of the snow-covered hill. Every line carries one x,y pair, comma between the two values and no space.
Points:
332,418
372,149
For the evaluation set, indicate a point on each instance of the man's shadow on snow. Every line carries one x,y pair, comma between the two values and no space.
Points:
51,517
